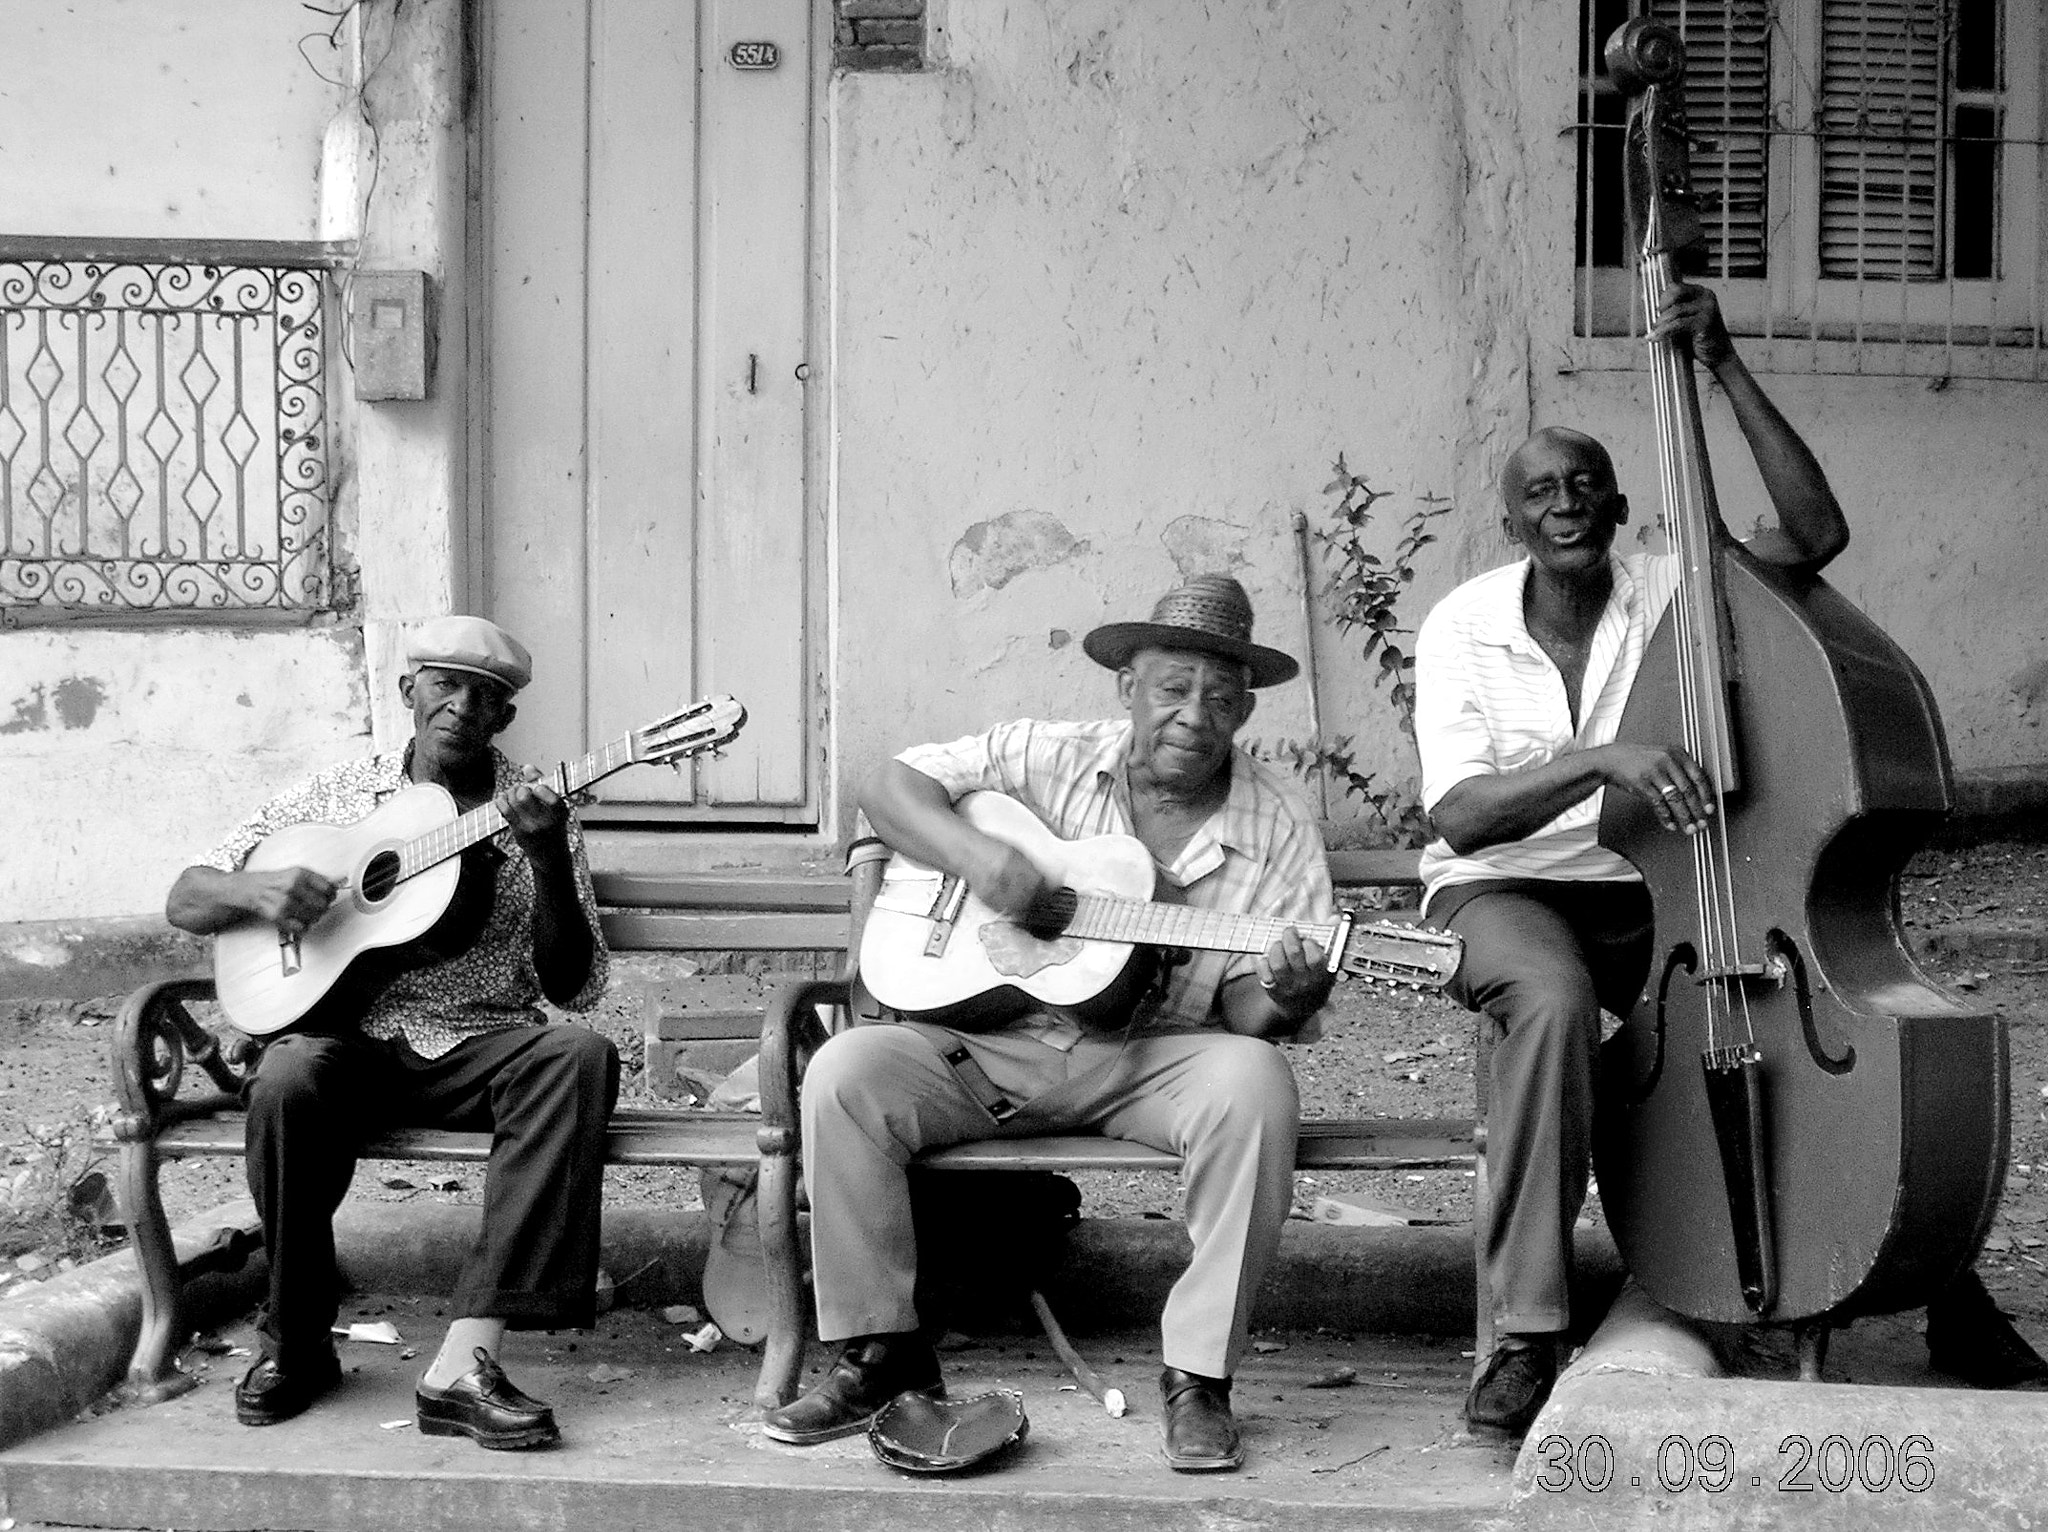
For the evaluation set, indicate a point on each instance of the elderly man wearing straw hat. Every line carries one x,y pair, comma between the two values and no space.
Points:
1190,1069
451,1037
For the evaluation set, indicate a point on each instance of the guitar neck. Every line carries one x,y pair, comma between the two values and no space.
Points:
486,819
1099,917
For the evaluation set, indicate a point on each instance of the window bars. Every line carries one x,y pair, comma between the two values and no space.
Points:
162,429
1870,174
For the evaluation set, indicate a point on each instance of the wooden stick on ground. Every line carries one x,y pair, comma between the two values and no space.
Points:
1112,1399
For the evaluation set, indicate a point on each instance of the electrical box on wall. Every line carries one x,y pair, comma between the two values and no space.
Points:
388,334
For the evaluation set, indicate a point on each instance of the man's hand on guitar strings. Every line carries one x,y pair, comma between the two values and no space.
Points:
1003,878
290,898
1295,974
536,815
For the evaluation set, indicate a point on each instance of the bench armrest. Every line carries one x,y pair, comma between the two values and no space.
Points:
155,1036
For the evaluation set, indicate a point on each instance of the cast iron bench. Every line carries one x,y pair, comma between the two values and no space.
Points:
157,1040
158,1043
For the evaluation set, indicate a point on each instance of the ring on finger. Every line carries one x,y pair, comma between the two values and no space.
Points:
1668,790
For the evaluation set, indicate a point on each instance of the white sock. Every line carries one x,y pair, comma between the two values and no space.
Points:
458,1351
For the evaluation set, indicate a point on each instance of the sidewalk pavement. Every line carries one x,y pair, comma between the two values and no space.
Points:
1642,1428
65,1342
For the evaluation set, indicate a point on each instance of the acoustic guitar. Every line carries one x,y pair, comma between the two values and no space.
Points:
397,871
935,952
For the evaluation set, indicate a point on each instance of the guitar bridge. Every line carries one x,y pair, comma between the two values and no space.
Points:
944,914
289,961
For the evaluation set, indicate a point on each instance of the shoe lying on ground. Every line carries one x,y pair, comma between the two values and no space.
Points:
269,1393
1971,1339
1512,1387
1201,1435
483,1405
872,1370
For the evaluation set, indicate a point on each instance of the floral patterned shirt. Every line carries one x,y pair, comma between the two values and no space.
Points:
489,986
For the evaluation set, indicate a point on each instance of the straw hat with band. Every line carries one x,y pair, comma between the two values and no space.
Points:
1210,614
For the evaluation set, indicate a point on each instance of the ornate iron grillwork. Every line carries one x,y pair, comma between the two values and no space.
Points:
162,434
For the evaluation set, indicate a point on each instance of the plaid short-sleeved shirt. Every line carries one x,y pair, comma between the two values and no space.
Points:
1259,854
490,986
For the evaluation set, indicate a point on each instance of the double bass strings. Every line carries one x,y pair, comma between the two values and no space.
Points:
1682,476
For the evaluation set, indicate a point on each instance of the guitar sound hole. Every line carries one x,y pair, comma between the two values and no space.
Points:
380,876
1052,914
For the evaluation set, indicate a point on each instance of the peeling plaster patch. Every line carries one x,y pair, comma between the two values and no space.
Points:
78,700
1200,545
29,714
2029,688
1059,639
990,554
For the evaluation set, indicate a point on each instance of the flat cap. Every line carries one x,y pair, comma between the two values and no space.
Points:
472,644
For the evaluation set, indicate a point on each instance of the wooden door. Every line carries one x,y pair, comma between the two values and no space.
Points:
645,227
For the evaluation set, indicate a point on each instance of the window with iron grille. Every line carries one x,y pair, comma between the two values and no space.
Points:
1870,172
162,431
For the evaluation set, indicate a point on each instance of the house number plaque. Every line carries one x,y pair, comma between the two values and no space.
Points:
754,55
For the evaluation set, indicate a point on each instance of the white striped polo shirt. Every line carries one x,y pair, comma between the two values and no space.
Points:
1488,701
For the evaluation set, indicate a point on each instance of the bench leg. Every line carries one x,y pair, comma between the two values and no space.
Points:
152,1374
788,1025
782,1359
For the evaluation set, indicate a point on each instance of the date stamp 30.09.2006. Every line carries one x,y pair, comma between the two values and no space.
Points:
1834,1464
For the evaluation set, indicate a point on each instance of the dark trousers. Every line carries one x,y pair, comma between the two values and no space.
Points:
543,1092
1542,961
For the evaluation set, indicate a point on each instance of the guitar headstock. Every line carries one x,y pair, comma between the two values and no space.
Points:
1401,954
689,731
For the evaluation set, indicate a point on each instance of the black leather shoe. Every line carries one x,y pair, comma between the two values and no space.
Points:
1513,1387
1972,1340
483,1405
269,1393
1201,1434
872,1370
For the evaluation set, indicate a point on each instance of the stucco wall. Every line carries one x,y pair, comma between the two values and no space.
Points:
135,747
1947,498
136,119
1114,285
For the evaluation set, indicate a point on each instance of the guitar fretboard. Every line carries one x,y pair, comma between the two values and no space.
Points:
485,820
1103,917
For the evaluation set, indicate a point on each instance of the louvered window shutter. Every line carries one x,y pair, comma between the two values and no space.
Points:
1881,92
1727,107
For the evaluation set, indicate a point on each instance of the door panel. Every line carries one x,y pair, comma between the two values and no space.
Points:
647,223
750,482
641,364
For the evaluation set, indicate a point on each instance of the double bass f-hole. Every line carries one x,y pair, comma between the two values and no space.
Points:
1785,955
1680,957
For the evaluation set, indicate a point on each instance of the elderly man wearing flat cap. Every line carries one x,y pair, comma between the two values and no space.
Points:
1191,1070
447,1034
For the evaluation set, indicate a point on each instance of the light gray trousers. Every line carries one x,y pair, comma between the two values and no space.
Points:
877,1095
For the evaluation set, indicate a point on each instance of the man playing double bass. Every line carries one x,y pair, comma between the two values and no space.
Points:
1521,678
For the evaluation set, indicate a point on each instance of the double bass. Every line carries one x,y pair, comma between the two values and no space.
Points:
1795,1125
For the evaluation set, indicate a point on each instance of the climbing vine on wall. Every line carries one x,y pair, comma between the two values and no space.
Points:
1364,593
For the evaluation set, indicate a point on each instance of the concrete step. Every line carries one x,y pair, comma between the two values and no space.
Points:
657,1436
